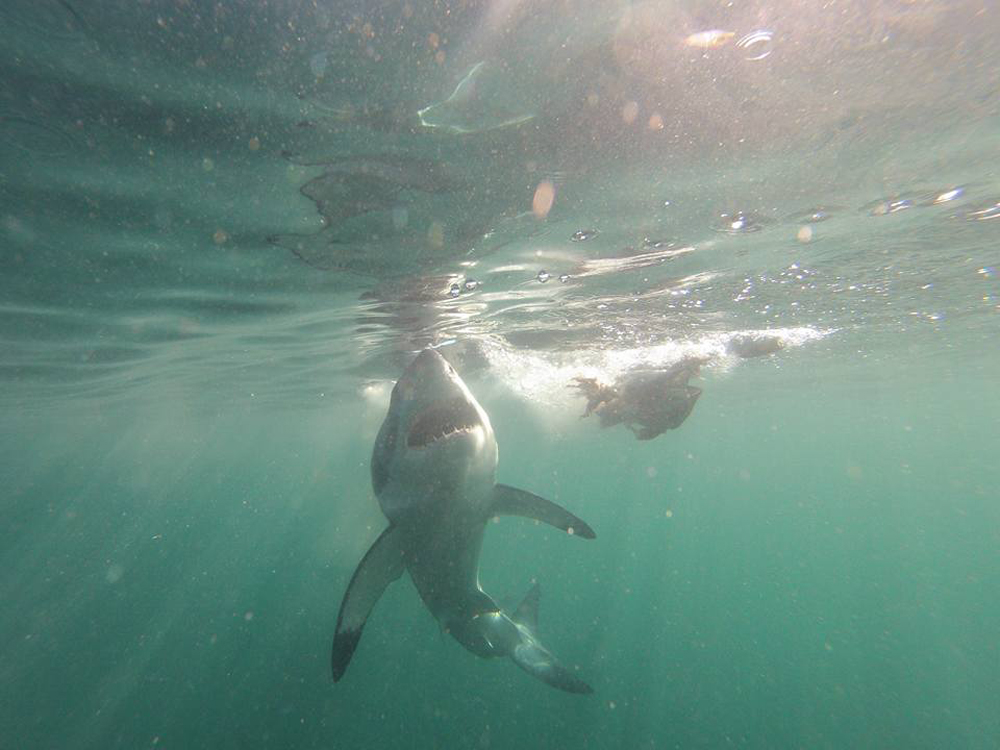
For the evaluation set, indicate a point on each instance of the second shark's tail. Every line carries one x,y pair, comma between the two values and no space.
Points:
531,656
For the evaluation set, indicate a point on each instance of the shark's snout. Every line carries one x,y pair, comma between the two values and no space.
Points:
429,366
440,405
429,377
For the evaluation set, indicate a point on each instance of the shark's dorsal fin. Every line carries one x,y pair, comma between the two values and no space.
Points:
510,501
527,611
381,565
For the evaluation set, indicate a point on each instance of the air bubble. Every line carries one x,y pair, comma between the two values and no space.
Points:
812,215
662,244
737,223
455,290
584,234
757,44
886,206
543,276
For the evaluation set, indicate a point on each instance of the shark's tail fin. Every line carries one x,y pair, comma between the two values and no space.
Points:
531,656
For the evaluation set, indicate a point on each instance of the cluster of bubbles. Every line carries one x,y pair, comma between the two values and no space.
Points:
740,222
746,222
543,276
469,285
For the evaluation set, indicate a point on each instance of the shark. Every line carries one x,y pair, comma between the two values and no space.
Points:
433,470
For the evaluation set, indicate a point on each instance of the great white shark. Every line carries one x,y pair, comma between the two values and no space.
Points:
434,474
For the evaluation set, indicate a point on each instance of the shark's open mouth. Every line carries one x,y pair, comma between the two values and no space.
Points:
440,421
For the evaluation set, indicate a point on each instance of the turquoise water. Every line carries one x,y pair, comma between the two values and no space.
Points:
225,230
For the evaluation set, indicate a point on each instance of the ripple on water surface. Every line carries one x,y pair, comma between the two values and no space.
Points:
34,136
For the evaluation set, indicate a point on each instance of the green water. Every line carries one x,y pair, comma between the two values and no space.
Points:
823,579
194,364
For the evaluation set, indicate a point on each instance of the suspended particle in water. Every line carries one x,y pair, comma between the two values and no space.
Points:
471,285
455,290
564,277
543,276
583,235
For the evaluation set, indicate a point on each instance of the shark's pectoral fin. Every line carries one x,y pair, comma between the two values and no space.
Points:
510,501
382,564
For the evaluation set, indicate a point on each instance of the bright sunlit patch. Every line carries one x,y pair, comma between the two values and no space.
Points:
709,39
376,401
545,195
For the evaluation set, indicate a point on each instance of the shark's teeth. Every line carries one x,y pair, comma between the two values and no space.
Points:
441,421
